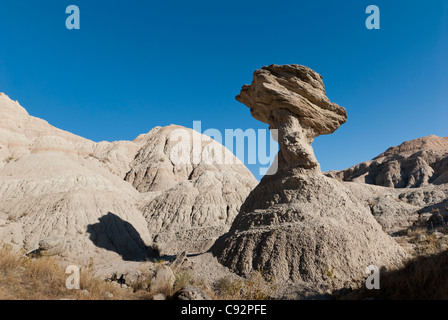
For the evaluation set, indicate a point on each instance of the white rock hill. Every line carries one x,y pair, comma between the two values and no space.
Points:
56,184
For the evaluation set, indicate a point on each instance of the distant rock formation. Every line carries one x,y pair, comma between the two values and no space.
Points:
403,185
298,224
54,184
412,164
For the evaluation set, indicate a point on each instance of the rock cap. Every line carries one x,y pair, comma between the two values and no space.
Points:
295,88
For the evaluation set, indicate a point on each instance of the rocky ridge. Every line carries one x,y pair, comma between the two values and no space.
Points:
412,164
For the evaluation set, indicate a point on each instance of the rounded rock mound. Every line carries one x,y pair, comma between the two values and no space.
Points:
192,188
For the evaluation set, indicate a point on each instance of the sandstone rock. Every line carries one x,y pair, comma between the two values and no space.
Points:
131,277
414,163
53,184
159,296
415,176
51,246
297,223
291,99
191,293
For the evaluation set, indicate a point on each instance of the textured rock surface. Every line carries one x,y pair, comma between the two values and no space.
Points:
291,99
299,224
22,134
414,163
193,196
403,185
51,246
56,184
191,293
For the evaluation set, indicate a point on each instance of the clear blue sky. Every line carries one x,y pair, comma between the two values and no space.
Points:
135,64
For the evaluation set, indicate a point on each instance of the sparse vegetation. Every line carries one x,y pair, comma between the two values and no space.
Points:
329,276
259,285
24,278
105,160
9,159
426,238
183,278
423,278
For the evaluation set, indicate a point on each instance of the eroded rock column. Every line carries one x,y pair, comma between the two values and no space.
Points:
298,224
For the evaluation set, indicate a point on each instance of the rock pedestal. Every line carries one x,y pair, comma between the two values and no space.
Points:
298,224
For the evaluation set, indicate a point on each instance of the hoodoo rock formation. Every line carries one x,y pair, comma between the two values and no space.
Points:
292,100
297,223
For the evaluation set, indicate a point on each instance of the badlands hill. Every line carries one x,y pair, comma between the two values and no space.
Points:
106,201
405,184
414,163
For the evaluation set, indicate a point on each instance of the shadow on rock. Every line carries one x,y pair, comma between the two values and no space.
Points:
423,278
114,234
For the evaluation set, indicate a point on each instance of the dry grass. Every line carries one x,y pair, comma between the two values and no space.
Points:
426,239
423,278
42,278
183,278
23,278
259,285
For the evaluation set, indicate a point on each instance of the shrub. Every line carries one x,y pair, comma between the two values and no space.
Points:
25,278
259,285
